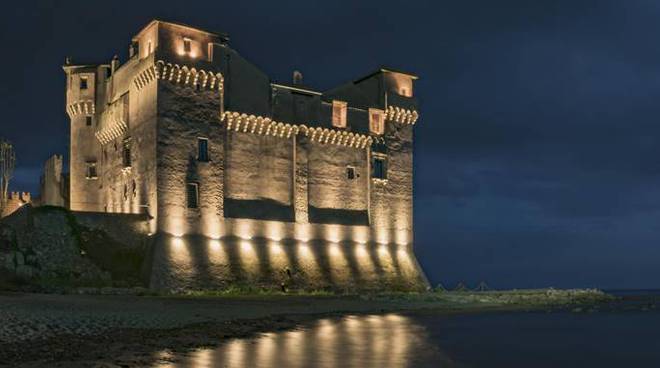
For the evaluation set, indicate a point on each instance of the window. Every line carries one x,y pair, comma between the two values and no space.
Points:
186,45
203,149
91,170
149,48
210,52
350,172
376,121
134,189
83,82
339,109
88,120
192,195
125,192
126,154
379,167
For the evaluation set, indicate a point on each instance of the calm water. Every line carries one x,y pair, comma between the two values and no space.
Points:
621,335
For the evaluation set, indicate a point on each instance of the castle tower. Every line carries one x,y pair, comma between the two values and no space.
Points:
81,99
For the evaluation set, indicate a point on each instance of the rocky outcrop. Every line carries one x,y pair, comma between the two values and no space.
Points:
49,246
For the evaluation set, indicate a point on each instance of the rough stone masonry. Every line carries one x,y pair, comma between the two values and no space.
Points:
245,181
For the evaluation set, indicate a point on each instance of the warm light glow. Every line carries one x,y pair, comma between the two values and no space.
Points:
275,230
303,232
243,229
177,242
401,237
333,233
249,259
266,349
338,263
235,351
360,234
307,261
217,253
384,256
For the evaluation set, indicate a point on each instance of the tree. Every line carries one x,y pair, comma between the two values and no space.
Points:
7,163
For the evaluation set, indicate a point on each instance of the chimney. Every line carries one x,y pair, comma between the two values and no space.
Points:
114,64
297,78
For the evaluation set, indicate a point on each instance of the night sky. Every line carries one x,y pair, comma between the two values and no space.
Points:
537,153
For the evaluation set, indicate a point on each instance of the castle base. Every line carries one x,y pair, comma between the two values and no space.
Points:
195,262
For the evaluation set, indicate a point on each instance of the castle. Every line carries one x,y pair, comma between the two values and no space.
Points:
244,180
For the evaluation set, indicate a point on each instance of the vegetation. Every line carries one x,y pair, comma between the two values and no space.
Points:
7,164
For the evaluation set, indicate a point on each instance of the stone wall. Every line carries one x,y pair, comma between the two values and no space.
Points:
50,245
277,202
40,243
53,191
194,262
15,201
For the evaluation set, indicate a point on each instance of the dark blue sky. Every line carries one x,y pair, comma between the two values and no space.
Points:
537,151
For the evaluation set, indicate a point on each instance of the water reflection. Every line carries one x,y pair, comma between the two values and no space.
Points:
354,341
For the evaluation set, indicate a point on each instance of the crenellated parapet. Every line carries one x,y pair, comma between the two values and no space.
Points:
180,74
265,126
143,78
81,107
400,115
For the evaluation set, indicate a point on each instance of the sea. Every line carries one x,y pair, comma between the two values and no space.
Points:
624,333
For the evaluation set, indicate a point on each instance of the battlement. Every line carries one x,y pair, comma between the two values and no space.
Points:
15,200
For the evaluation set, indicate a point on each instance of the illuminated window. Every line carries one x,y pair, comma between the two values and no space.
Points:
186,45
192,195
88,120
376,121
350,172
91,170
339,109
83,82
379,167
202,149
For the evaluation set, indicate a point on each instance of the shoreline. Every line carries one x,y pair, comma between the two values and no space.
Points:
140,347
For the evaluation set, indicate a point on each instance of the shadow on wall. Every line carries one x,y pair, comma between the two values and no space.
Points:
197,262
264,209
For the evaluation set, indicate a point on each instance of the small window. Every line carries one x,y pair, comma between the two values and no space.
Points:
88,120
376,121
350,172
126,155
339,110
149,48
186,45
379,167
192,195
83,83
203,149
91,171
134,189
125,192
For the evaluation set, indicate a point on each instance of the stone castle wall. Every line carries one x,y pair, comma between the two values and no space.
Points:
270,204
14,201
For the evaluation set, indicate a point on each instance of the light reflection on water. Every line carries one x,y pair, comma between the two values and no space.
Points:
355,341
